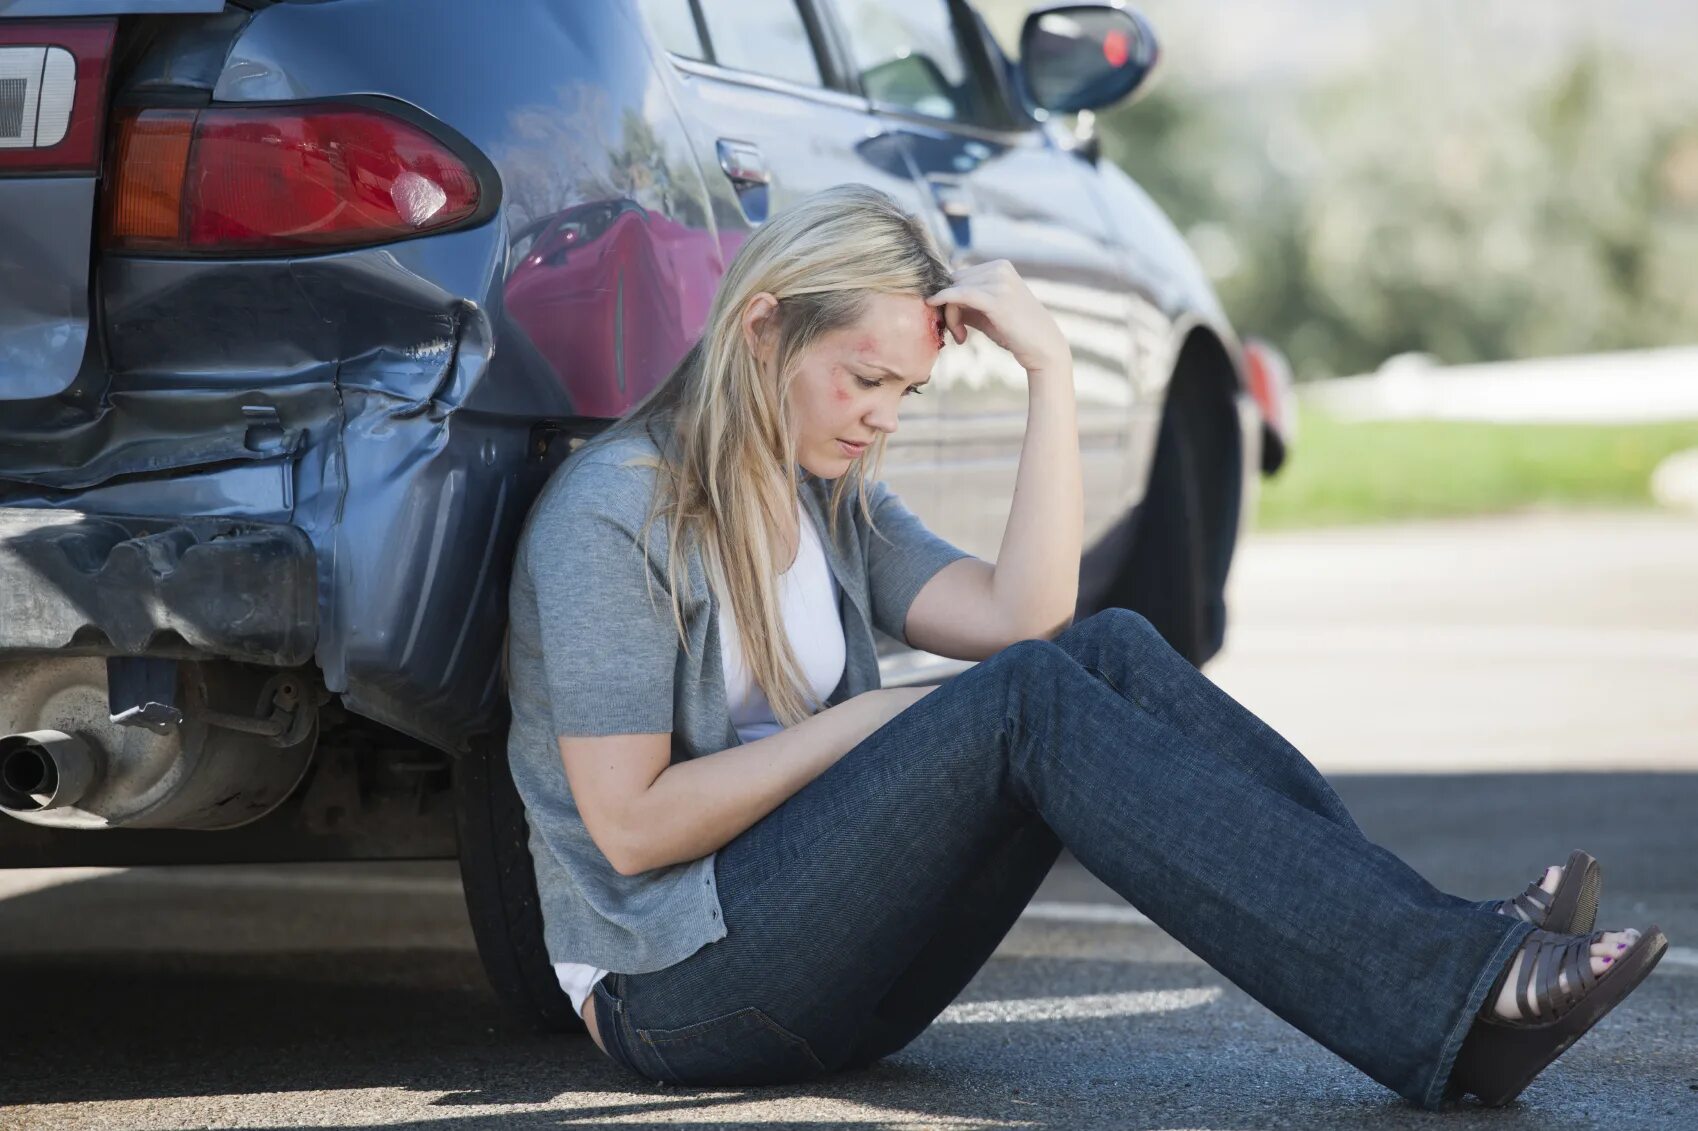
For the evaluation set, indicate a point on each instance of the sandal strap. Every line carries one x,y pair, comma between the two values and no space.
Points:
1532,905
1545,959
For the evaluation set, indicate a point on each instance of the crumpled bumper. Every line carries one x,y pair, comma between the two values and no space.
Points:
101,584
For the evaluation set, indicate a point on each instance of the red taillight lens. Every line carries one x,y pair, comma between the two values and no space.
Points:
286,179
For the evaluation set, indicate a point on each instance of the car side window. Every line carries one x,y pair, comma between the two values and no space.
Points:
767,37
674,23
908,56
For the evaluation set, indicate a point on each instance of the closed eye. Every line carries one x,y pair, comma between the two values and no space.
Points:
911,390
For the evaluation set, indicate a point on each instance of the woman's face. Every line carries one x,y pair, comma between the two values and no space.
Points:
849,384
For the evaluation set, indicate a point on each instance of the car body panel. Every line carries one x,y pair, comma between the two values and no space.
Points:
812,138
400,405
359,395
1013,198
54,76
38,9
43,283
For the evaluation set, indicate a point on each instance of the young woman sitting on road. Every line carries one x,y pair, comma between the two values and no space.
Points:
791,871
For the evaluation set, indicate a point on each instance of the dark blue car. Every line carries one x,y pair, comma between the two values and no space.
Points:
301,302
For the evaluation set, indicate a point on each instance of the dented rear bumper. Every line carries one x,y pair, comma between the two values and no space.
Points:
74,583
344,423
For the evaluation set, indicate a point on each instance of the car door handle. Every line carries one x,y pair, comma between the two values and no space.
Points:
952,197
743,163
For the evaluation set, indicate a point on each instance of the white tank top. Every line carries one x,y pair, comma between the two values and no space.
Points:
808,599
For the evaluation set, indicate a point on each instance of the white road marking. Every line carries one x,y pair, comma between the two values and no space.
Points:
1086,913
341,1106
1080,1007
21,881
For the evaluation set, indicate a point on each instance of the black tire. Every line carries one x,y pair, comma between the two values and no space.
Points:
501,891
1184,531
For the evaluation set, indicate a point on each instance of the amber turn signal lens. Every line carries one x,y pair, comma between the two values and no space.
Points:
151,154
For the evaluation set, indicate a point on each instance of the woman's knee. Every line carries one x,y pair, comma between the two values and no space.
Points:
1113,633
1035,672
1121,624
1031,657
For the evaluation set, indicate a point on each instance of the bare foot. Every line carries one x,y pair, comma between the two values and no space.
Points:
1553,877
1609,946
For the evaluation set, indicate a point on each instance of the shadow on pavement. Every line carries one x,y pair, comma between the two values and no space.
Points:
270,1008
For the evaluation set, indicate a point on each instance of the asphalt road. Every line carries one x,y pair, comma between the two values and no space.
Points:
1484,695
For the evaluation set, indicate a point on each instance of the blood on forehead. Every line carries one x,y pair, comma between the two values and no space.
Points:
866,345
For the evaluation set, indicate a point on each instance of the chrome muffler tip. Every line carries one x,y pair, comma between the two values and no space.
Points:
43,769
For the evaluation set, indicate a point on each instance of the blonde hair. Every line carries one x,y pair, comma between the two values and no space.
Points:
731,445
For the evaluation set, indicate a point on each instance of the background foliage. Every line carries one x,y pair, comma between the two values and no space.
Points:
1437,180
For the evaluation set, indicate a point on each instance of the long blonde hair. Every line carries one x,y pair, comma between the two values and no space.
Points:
731,443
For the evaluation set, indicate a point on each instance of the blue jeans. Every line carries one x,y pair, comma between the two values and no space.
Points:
861,907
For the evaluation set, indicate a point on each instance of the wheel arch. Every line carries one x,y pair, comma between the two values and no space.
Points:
1207,389
1173,551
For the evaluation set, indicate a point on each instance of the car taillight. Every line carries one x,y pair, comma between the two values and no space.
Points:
52,94
296,178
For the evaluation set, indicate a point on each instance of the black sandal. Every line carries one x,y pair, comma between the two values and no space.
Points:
1570,910
1500,1057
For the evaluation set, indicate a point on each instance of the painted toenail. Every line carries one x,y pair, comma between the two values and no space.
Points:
1609,960
1621,946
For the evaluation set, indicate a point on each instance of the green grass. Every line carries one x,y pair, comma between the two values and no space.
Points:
1353,472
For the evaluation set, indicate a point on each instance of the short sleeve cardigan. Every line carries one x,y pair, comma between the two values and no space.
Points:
591,651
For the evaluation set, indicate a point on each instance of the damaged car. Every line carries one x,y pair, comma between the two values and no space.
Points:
302,302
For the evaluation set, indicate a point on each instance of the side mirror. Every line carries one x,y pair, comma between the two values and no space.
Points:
1085,56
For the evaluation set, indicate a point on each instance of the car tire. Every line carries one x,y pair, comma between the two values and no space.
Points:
1185,529
501,891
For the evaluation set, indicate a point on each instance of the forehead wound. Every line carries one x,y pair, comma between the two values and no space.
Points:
867,345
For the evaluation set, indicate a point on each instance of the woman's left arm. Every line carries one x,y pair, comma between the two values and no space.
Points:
972,609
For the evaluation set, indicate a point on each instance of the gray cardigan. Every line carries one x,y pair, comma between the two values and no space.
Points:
590,653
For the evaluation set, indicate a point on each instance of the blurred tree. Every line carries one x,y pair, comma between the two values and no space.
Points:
1422,202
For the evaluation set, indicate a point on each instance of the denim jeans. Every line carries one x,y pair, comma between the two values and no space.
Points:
863,905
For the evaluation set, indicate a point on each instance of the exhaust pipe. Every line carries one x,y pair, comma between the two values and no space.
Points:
43,769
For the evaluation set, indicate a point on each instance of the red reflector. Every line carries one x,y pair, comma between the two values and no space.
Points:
1115,49
303,178
1271,385
53,94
